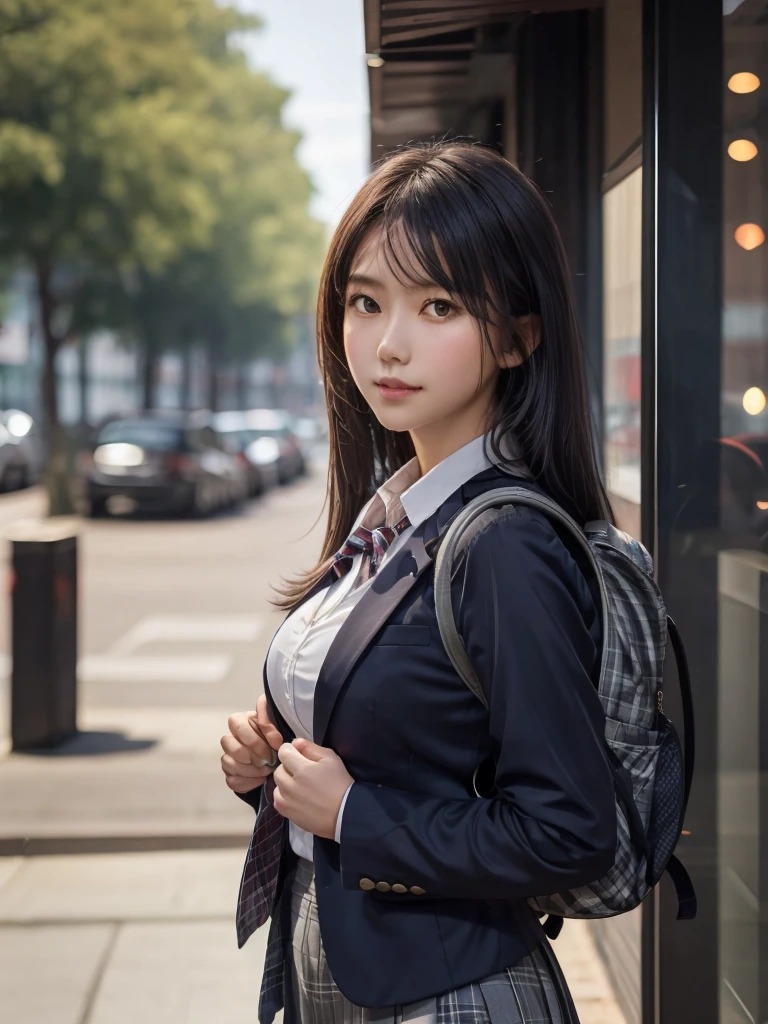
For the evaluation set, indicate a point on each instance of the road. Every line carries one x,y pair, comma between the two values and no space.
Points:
122,851
175,622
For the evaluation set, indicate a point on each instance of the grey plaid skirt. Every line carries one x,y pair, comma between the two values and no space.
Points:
532,992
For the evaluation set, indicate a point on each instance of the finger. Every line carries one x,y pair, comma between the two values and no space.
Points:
271,732
248,771
291,758
282,778
235,749
262,710
310,750
239,784
240,728
278,802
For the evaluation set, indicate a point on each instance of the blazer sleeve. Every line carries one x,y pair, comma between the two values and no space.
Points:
525,617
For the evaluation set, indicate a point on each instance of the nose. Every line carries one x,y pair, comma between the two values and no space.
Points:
394,345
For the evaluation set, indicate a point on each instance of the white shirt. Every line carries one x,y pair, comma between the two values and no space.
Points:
300,646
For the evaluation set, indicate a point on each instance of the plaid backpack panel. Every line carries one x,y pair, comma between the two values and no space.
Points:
651,772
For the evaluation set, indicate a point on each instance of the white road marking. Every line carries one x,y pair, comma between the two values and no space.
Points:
120,663
169,668
188,629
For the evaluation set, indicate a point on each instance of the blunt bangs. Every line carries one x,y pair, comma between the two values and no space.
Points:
438,229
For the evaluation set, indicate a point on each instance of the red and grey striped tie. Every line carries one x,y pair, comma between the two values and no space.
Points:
367,542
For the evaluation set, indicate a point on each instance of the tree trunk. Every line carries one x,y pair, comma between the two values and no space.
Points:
58,471
185,396
82,373
214,381
149,375
244,385
213,387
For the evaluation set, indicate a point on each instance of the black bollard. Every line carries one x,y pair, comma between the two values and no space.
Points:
44,633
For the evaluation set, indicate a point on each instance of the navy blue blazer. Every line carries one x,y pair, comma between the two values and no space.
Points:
427,889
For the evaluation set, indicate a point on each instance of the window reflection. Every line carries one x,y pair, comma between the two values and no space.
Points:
622,220
742,542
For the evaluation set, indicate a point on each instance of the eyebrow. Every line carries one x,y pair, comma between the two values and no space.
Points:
373,282
363,279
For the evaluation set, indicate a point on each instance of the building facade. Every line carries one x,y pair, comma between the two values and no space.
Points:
646,124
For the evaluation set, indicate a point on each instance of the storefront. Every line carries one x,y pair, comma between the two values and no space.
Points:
646,123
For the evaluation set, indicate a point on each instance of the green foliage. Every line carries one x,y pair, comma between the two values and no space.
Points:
133,134
146,176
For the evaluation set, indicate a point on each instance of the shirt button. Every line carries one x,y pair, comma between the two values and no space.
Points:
417,890
383,886
367,884
399,887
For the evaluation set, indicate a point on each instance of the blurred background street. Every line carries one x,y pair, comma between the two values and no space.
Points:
171,172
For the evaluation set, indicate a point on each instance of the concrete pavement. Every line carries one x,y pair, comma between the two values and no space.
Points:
114,907
149,937
122,938
159,599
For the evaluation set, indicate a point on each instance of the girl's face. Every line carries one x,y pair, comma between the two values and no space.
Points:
418,357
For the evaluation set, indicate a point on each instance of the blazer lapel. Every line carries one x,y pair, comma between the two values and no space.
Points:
389,587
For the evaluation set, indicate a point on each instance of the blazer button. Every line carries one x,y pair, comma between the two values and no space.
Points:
399,888
417,890
383,886
367,884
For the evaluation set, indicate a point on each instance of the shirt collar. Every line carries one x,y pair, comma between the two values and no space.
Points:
406,492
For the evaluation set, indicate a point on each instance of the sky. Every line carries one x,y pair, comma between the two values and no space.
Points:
317,49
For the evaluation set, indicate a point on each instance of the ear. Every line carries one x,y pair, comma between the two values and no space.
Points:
529,331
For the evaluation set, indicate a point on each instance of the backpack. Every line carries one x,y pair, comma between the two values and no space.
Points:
652,772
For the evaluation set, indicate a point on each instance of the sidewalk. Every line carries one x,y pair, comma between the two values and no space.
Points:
121,938
149,937
133,779
121,852
145,932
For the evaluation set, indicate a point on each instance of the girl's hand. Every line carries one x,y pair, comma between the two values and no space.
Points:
244,750
310,785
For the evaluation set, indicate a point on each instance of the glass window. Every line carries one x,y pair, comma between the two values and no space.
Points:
623,79
151,434
742,742
622,241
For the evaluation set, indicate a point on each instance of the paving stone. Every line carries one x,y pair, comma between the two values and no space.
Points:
185,973
586,976
123,887
48,973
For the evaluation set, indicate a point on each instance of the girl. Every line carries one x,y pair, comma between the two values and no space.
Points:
450,353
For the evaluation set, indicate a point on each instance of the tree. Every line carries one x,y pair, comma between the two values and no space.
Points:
111,159
236,295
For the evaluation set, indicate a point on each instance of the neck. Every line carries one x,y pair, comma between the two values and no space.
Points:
437,441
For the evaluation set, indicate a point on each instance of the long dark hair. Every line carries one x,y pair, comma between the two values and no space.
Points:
462,217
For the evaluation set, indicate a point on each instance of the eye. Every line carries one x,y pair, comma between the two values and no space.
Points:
441,308
364,304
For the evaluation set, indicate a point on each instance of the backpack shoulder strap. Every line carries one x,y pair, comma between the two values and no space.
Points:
465,525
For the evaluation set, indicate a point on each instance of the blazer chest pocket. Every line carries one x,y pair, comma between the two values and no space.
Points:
404,636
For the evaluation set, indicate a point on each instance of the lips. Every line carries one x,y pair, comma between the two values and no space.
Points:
395,384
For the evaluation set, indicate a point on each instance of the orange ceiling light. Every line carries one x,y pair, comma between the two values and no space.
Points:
743,82
749,236
742,150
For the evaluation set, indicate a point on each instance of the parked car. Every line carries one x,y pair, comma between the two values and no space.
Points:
309,430
259,460
161,461
275,425
20,450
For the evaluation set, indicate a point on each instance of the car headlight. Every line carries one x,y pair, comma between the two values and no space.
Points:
118,455
262,451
